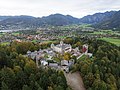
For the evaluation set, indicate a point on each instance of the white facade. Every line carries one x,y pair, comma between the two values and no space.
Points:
44,63
61,47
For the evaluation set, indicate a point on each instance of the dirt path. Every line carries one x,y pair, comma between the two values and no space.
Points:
74,80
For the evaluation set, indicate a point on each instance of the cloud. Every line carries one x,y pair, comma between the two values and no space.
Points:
77,8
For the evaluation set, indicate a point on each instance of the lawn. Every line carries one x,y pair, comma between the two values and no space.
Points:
61,37
112,40
104,32
5,43
1,34
82,58
34,41
85,25
56,59
49,41
98,32
15,33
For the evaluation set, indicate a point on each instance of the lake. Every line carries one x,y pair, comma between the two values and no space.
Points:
12,30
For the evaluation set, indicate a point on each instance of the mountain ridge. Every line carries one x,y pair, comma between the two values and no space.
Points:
97,17
24,21
112,23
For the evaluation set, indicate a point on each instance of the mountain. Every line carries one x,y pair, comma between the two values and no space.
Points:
110,23
97,17
4,17
18,22
60,20
107,20
98,20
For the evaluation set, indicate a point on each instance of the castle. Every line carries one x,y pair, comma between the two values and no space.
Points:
61,48
53,51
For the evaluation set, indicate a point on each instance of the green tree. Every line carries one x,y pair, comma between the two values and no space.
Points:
4,86
26,87
8,76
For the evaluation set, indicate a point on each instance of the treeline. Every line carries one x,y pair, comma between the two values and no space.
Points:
23,47
18,72
102,71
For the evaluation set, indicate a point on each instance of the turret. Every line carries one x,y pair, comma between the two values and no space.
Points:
85,48
52,45
61,43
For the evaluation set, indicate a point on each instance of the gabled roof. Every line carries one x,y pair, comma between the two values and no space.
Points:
54,65
64,63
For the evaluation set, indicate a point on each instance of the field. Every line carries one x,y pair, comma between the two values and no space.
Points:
103,32
82,58
1,34
96,32
112,40
34,41
61,37
5,43
48,41
15,33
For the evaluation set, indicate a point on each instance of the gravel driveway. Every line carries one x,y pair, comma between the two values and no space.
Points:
75,81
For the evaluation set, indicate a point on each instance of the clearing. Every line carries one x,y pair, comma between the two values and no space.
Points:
75,81
112,40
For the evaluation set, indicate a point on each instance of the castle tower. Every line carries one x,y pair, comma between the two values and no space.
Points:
52,45
61,43
85,48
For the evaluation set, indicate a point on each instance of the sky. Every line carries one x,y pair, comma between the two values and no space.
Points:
39,8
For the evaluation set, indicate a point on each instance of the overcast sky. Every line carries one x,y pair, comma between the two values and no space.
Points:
39,8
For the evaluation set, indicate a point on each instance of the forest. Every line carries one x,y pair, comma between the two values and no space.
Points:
100,72
18,72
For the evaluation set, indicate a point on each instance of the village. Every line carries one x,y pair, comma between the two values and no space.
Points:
35,36
55,58
50,34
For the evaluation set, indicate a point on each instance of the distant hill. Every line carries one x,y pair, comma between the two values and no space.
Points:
98,20
33,22
4,17
18,22
107,20
60,20
112,22
97,17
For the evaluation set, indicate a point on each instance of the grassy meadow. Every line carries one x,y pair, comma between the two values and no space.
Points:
112,40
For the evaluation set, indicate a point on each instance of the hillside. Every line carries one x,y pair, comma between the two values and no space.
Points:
110,23
18,22
97,17
4,17
60,20
107,20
